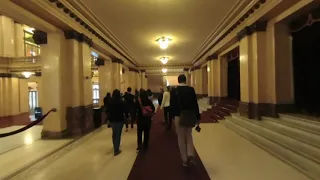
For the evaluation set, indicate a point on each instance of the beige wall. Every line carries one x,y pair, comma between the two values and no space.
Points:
155,83
173,80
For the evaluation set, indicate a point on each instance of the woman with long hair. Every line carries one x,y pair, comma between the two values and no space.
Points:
117,111
146,110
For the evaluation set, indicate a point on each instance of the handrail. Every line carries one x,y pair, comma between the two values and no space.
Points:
27,126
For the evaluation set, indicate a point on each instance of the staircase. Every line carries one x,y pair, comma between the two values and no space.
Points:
294,140
222,109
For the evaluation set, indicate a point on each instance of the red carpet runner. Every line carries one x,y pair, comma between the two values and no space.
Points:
162,161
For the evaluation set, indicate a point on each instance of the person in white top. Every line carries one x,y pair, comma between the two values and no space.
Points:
166,106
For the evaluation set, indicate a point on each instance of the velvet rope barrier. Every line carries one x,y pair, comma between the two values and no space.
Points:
28,126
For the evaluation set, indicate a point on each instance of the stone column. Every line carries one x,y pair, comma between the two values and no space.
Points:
105,80
146,82
143,79
192,78
7,38
55,82
77,75
138,80
258,75
19,40
14,106
116,73
132,79
198,81
210,81
204,81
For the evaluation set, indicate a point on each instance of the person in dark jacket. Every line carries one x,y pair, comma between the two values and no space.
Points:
106,100
144,122
129,99
184,99
117,111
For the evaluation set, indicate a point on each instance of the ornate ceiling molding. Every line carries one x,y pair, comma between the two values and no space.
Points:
90,27
168,66
244,15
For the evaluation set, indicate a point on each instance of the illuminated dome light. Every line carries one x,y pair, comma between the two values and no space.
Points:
27,74
164,60
163,42
164,70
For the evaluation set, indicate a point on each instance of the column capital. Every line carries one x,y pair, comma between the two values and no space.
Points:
258,26
73,34
40,37
99,62
133,70
213,56
116,60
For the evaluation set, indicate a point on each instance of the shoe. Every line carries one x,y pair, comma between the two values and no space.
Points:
117,153
191,160
185,165
132,127
127,129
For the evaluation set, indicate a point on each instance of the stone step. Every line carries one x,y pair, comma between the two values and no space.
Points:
310,137
305,124
307,150
303,164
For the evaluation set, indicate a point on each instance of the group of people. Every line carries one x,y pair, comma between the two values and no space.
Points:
129,107
179,105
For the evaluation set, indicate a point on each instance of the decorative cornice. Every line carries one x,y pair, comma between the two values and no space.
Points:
86,26
117,61
232,28
258,26
40,37
213,56
10,75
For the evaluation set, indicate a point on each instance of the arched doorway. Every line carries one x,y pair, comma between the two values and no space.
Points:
306,63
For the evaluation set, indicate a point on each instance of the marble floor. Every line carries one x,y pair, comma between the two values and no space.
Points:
225,155
24,138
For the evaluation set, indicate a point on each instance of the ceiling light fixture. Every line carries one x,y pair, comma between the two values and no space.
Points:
164,70
163,42
164,60
27,74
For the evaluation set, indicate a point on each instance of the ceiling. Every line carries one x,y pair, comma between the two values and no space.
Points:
138,23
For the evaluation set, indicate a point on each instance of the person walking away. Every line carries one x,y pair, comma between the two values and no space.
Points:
106,100
187,116
160,98
129,99
117,111
165,105
150,95
146,111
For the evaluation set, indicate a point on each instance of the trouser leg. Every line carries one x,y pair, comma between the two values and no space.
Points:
189,141
181,140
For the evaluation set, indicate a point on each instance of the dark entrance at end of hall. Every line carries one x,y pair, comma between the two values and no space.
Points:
234,75
306,65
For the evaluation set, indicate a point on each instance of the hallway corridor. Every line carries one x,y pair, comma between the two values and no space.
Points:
224,154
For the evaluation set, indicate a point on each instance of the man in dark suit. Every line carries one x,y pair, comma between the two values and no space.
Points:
129,99
184,98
